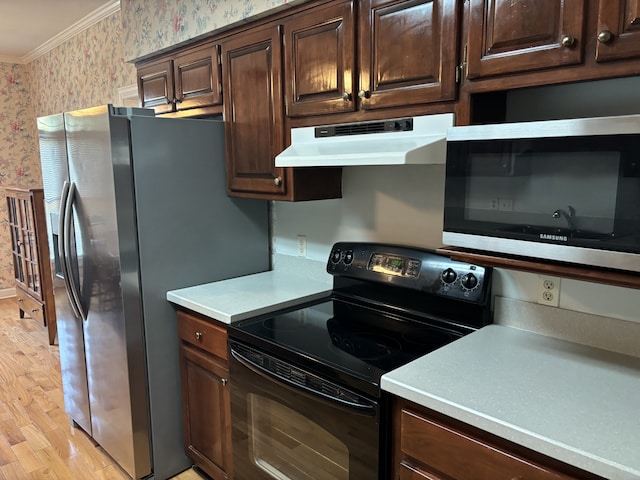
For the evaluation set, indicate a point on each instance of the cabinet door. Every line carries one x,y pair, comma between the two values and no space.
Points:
155,86
407,52
207,411
429,446
319,51
253,111
30,251
23,242
455,453
618,30
508,36
197,78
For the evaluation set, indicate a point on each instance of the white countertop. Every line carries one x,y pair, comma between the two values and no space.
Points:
227,301
572,402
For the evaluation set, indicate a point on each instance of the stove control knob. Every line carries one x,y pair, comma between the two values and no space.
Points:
449,276
469,281
348,257
336,255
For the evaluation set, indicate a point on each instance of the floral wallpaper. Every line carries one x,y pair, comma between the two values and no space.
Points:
85,71
153,25
19,161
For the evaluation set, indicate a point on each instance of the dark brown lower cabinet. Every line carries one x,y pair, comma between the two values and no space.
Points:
430,446
205,394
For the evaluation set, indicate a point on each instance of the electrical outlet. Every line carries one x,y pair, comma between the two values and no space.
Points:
493,203
549,291
302,245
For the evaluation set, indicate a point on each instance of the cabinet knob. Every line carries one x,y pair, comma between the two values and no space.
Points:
177,100
199,336
34,310
568,41
364,94
605,36
21,300
224,381
346,96
169,101
277,181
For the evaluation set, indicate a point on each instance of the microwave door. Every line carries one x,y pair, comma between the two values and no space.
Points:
569,199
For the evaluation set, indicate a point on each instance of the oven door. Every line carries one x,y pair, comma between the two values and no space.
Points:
289,424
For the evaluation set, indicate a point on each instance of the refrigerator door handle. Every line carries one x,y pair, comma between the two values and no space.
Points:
61,247
71,283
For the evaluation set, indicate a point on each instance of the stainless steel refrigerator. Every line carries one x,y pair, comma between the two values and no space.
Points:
136,206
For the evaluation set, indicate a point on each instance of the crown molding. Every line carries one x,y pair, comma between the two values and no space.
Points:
94,17
9,59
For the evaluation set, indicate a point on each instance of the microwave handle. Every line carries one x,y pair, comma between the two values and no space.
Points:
367,407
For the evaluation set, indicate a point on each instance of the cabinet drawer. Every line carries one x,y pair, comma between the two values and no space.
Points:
457,455
203,334
410,472
29,305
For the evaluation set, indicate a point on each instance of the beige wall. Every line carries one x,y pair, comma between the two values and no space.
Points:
85,71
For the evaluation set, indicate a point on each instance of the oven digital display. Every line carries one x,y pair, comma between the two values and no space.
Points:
394,265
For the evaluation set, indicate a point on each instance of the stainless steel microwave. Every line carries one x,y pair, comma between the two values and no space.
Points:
563,190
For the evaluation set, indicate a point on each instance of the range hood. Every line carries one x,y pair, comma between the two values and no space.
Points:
399,141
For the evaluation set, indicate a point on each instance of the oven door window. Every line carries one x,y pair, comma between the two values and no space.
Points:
287,445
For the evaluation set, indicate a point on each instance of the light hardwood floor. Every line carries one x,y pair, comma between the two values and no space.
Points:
37,440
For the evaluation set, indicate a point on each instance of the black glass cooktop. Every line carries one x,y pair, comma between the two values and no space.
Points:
343,339
389,305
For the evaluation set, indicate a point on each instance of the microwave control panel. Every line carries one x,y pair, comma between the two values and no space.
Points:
411,268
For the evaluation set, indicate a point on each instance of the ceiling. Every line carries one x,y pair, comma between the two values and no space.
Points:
29,28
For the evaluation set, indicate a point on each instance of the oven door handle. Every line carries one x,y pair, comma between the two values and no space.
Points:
367,407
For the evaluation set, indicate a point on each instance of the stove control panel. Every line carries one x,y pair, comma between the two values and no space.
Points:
394,265
410,268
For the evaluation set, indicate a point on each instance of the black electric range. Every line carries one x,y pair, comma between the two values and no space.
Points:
389,305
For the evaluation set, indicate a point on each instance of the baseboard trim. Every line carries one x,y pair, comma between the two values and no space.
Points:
7,293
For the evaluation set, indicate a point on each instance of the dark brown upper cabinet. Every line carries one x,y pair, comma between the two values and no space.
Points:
320,61
618,33
155,85
512,36
404,54
407,52
187,80
254,123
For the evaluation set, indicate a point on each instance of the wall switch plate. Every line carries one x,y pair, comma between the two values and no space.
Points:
548,291
302,245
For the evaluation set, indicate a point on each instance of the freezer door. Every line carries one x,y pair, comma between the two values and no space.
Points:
114,343
53,157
